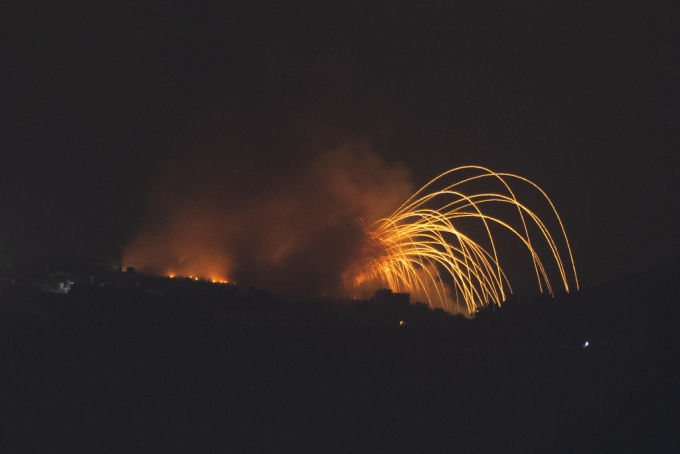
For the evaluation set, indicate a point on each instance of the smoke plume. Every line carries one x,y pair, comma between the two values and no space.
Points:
260,219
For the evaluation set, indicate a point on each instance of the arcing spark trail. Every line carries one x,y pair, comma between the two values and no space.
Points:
420,249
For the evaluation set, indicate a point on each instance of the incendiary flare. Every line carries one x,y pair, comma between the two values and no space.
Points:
421,249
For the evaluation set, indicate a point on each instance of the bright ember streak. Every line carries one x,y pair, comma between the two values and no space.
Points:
419,250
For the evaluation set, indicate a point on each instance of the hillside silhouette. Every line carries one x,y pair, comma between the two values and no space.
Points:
215,368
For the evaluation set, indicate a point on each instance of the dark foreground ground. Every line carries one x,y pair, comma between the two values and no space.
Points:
97,371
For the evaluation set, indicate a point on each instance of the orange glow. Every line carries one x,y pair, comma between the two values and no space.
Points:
182,260
203,221
197,278
419,249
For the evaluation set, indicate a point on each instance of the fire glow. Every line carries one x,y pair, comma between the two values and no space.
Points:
290,232
196,278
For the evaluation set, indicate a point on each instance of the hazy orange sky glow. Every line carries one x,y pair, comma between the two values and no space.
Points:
293,232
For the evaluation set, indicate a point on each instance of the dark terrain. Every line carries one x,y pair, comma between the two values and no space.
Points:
100,370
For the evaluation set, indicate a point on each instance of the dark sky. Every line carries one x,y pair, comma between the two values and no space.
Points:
583,98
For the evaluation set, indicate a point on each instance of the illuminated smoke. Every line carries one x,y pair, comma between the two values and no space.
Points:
300,228
289,227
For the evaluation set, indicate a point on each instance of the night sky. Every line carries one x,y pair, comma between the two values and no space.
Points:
103,105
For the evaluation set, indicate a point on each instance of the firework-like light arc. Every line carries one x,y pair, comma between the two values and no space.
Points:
418,249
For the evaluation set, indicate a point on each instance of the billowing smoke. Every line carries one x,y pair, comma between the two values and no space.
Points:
290,227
